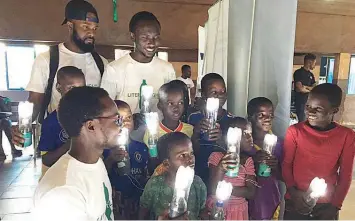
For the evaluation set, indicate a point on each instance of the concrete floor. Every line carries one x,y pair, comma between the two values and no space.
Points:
19,177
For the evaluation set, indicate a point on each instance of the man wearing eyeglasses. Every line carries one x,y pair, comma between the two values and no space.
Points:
77,186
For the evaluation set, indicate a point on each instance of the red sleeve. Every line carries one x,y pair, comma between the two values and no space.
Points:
215,158
289,151
346,161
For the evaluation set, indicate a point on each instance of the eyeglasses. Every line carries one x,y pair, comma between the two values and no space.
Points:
118,119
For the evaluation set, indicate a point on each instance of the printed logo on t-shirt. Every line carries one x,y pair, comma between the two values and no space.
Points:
108,210
137,95
138,157
63,136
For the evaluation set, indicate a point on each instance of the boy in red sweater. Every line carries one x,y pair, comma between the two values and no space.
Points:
320,148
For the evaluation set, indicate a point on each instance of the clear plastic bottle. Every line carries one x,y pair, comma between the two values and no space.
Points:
218,211
178,205
25,122
144,82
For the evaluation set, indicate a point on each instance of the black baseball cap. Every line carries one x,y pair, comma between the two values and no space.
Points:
78,10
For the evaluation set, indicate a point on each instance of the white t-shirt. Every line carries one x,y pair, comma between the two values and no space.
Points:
122,79
40,72
72,190
190,84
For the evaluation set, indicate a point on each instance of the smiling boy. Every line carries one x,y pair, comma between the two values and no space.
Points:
320,148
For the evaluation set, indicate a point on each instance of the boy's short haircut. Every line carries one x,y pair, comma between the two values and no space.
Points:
310,57
255,103
69,71
185,67
237,121
142,16
208,78
332,92
171,87
121,104
167,142
78,106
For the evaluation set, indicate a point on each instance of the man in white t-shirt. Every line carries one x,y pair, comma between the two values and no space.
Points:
82,20
186,78
77,186
123,77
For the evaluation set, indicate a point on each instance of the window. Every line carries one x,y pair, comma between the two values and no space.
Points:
18,75
3,85
351,86
16,65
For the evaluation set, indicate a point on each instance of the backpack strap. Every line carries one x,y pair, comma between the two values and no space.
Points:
53,67
99,62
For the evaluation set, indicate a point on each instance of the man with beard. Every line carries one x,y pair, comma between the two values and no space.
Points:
124,77
77,186
82,21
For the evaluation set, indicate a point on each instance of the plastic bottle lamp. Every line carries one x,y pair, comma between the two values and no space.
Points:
183,180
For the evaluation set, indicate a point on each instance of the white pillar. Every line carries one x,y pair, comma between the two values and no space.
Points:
251,44
263,32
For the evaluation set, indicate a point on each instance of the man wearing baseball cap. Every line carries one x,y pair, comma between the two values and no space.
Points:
78,50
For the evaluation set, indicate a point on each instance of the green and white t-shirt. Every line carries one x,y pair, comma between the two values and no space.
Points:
122,79
72,190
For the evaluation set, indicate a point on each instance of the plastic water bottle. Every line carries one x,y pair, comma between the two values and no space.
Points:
218,211
178,206
144,82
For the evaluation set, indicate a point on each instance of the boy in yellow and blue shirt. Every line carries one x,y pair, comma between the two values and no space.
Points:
171,104
54,141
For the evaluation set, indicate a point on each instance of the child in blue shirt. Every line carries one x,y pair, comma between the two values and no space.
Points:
54,140
212,86
128,188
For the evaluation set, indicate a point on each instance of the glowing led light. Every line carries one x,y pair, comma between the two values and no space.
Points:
270,141
25,109
224,190
152,120
147,91
184,176
318,188
212,104
234,136
123,138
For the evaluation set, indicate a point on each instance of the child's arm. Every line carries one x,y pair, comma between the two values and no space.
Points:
247,191
218,167
146,200
346,161
47,143
289,151
115,155
51,157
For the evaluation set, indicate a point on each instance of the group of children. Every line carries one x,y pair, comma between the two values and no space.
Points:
315,148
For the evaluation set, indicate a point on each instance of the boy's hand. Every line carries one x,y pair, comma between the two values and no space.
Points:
165,216
298,196
17,136
328,212
118,154
263,157
226,163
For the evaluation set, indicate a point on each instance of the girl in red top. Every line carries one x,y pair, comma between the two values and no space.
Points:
320,148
